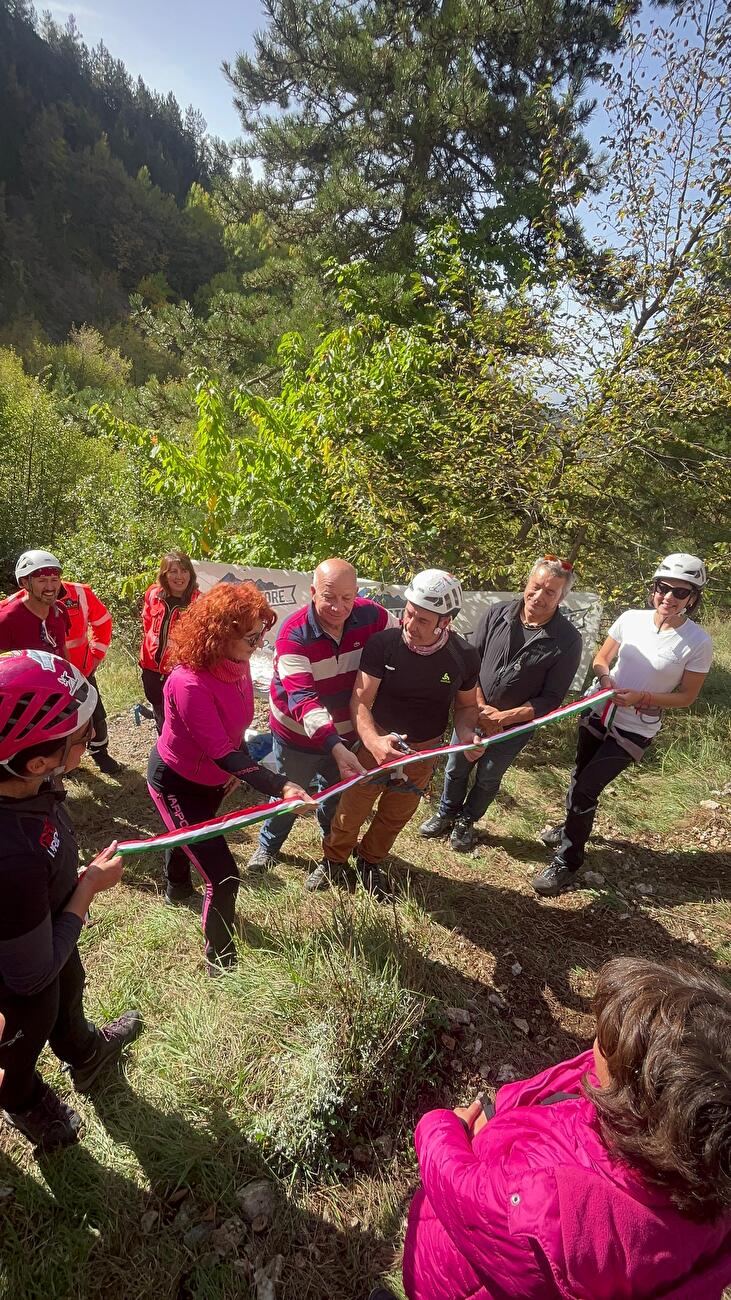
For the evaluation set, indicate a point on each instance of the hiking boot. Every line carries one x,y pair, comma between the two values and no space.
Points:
111,1041
372,879
261,861
106,764
551,835
555,880
49,1124
182,895
438,824
464,835
327,873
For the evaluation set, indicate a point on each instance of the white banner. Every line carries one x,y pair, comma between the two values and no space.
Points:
286,591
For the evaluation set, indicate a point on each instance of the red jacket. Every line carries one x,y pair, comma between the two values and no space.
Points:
159,617
90,626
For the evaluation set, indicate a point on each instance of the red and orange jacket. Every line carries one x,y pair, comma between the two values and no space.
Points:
89,625
159,616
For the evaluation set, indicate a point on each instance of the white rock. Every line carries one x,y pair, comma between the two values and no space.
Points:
266,1278
593,878
458,1015
710,804
516,968
522,1025
257,1199
506,1073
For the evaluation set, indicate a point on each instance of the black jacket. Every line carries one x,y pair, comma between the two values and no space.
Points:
540,673
38,874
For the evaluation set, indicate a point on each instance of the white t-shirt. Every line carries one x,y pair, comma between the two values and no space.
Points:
649,660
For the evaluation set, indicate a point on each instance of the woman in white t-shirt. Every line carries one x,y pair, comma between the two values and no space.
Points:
658,659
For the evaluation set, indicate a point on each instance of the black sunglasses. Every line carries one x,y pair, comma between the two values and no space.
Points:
679,593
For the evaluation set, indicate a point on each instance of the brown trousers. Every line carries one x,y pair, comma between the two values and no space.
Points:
395,808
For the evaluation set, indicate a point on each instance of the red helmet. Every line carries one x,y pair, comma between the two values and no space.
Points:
42,698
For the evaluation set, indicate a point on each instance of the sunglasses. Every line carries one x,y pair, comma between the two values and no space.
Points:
556,559
255,639
45,573
679,593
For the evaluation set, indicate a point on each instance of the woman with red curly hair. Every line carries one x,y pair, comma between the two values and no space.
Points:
209,703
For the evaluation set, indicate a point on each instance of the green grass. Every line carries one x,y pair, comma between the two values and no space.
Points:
310,1064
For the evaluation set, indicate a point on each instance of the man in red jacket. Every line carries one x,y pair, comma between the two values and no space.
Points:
66,618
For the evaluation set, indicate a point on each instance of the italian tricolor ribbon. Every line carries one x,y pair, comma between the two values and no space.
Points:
234,821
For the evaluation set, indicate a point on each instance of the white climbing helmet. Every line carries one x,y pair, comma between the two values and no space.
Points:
436,590
31,561
682,567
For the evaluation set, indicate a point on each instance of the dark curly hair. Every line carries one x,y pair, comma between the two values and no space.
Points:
664,1030
228,610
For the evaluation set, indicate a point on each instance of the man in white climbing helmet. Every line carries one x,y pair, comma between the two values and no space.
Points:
410,678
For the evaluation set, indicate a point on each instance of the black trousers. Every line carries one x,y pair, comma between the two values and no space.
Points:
598,761
54,1016
99,721
152,685
183,803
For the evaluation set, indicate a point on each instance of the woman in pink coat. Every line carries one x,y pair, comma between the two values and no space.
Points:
607,1177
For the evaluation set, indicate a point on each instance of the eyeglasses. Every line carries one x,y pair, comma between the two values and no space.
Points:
679,593
556,559
255,639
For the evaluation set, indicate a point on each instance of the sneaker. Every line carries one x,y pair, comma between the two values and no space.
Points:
464,836
327,873
49,1124
372,879
106,763
551,835
439,824
182,895
111,1041
555,880
260,861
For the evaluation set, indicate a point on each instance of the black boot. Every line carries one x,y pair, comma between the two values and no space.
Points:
464,835
106,764
438,824
49,1124
111,1042
555,880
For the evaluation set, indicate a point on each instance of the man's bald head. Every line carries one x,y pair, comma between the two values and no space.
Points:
334,589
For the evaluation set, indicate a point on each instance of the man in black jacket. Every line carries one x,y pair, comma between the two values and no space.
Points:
530,653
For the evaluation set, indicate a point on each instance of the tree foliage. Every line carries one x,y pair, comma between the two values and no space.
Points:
374,121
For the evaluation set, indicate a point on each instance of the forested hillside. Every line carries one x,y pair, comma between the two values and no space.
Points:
100,181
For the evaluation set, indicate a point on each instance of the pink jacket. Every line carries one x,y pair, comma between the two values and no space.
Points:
536,1208
205,719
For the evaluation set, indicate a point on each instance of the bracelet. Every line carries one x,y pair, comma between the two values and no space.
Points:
645,701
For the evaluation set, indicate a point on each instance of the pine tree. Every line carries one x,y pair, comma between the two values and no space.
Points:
372,121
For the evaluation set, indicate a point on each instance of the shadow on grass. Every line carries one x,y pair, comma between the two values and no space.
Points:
554,945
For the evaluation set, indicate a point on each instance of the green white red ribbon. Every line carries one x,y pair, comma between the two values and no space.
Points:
234,821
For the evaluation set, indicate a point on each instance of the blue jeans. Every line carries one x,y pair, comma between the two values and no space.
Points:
314,772
489,772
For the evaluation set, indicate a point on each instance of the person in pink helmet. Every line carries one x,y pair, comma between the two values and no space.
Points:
606,1177
46,707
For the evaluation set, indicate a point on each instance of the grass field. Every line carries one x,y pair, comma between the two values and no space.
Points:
309,1065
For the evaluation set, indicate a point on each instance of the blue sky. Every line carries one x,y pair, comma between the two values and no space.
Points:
176,45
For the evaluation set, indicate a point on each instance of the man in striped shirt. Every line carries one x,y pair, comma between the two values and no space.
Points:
316,658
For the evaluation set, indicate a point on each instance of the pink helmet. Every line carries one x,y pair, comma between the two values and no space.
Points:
42,698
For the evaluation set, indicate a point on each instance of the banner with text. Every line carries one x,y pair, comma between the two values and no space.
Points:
286,591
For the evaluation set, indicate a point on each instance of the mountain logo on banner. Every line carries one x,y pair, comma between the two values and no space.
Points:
275,594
